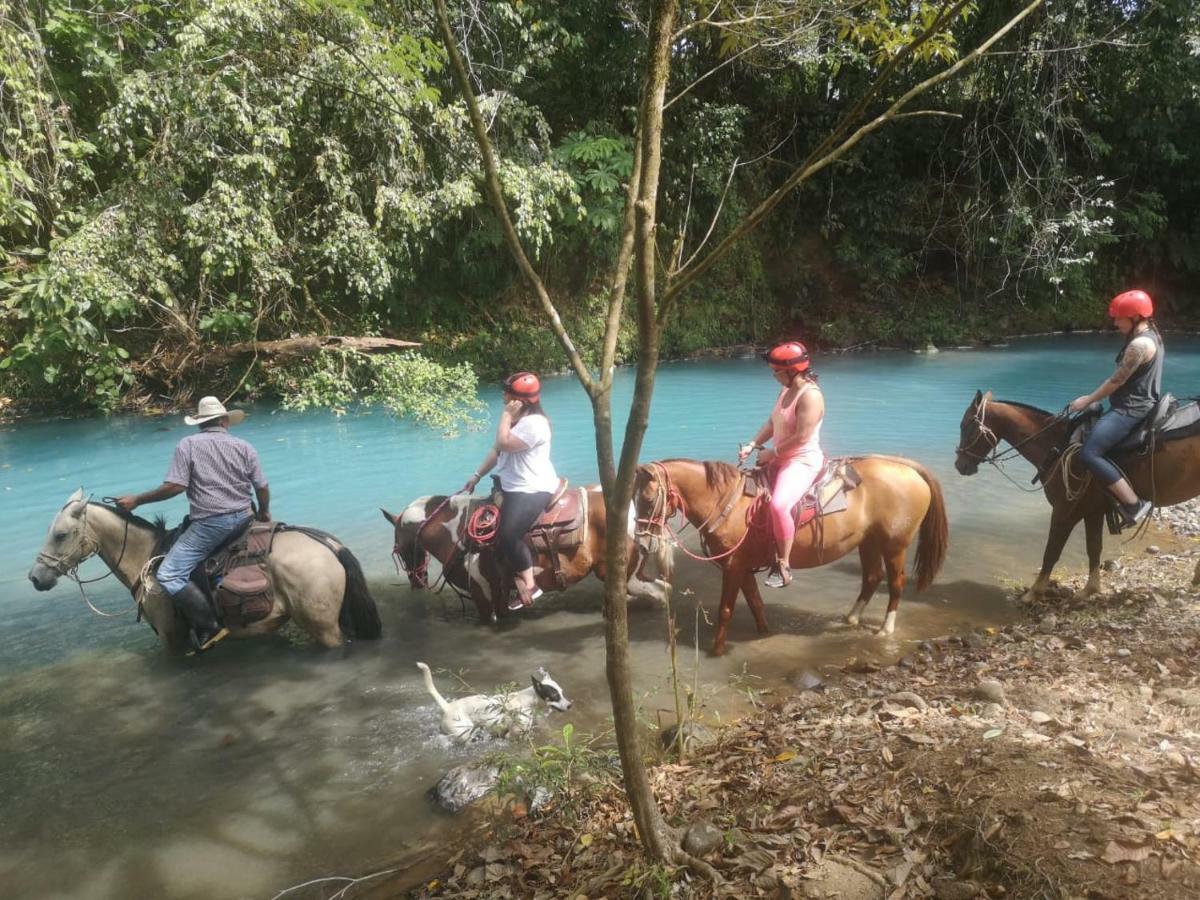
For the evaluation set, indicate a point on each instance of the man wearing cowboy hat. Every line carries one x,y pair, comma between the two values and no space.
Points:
217,470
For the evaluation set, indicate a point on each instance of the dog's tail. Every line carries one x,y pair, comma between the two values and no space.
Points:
433,691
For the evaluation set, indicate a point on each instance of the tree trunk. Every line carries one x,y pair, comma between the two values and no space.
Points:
653,831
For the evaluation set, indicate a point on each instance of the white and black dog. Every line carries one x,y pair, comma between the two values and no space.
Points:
498,715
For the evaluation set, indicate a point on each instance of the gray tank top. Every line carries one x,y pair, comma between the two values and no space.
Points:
1137,396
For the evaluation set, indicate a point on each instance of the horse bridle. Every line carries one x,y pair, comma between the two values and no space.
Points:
62,569
668,502
995,456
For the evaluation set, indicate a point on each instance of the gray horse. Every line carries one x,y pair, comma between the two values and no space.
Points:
318,584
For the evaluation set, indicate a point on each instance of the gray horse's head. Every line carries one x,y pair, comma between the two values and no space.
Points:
68,543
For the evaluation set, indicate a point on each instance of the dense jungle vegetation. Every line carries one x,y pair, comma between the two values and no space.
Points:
183,176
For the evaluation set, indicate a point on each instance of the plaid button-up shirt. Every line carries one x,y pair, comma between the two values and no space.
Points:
218,471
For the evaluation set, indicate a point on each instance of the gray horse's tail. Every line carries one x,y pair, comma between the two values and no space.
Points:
359,616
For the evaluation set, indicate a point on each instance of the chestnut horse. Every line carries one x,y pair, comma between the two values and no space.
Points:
895,499
1040,436
434,525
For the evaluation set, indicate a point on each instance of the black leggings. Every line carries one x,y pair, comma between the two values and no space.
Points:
518,512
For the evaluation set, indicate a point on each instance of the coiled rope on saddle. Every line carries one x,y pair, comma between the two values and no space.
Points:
483,524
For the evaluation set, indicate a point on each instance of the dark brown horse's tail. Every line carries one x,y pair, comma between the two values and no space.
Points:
359,616
934,538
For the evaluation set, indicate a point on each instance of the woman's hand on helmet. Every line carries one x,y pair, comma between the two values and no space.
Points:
513,407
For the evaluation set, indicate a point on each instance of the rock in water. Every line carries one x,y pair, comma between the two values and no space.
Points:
462,786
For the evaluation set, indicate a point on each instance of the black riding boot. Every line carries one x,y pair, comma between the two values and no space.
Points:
202,624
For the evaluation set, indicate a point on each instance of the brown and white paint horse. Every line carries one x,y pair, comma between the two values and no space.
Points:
1172,477
433,526
896,499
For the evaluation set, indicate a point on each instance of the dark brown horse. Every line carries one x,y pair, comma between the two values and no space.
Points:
434,525
897,497
1074,495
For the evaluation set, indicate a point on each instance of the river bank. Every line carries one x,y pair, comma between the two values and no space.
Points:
14,408
1057,756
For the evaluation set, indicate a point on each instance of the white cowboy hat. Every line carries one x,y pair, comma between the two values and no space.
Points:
211,408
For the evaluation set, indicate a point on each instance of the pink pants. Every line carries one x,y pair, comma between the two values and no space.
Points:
795,476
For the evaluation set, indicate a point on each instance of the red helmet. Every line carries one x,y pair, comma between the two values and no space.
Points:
790,356
524,386
1130,304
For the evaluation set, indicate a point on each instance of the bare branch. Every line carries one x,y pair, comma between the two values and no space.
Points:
812,167
495,193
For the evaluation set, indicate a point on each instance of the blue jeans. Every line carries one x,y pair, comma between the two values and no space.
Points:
193,547
1114,426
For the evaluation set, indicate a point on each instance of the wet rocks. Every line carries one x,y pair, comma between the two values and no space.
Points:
462,786
808,680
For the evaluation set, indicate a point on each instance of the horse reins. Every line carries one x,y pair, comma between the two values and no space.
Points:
668,502
995,456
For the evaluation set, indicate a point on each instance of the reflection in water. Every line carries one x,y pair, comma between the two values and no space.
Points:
270,762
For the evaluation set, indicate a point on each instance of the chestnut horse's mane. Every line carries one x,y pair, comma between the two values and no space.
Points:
716,473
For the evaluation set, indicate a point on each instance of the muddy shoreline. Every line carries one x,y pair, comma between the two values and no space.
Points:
1056,756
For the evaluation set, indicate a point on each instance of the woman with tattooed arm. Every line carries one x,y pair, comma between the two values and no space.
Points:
1132,390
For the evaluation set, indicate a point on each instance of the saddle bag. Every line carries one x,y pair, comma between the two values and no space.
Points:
242,592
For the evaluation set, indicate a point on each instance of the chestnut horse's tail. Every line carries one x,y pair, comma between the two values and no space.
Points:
934,538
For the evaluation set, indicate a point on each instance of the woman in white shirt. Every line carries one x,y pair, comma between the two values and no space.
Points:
521,455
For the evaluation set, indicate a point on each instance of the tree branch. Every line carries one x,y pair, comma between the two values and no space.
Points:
495,193
812,167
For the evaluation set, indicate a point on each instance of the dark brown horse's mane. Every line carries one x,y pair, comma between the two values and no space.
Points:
1027,406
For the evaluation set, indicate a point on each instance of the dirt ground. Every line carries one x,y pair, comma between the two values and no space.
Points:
1057,757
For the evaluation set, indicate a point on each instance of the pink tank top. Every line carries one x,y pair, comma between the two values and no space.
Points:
783,424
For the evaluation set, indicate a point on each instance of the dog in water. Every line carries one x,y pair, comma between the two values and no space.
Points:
498,715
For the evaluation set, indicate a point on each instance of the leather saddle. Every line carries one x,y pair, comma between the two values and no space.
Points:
561,526
826,496
235,575
1167,421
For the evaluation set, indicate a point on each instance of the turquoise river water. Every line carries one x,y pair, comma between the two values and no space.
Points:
267,763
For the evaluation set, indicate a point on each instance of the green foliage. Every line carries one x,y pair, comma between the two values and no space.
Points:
571,772
177,175
885,28
600,166
405,385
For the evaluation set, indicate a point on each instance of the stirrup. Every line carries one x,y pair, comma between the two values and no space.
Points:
1141,509
198,647
780,577
524,598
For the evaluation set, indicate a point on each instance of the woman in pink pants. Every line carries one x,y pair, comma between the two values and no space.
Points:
795,428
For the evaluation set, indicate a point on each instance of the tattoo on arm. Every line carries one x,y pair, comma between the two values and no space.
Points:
1135,355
